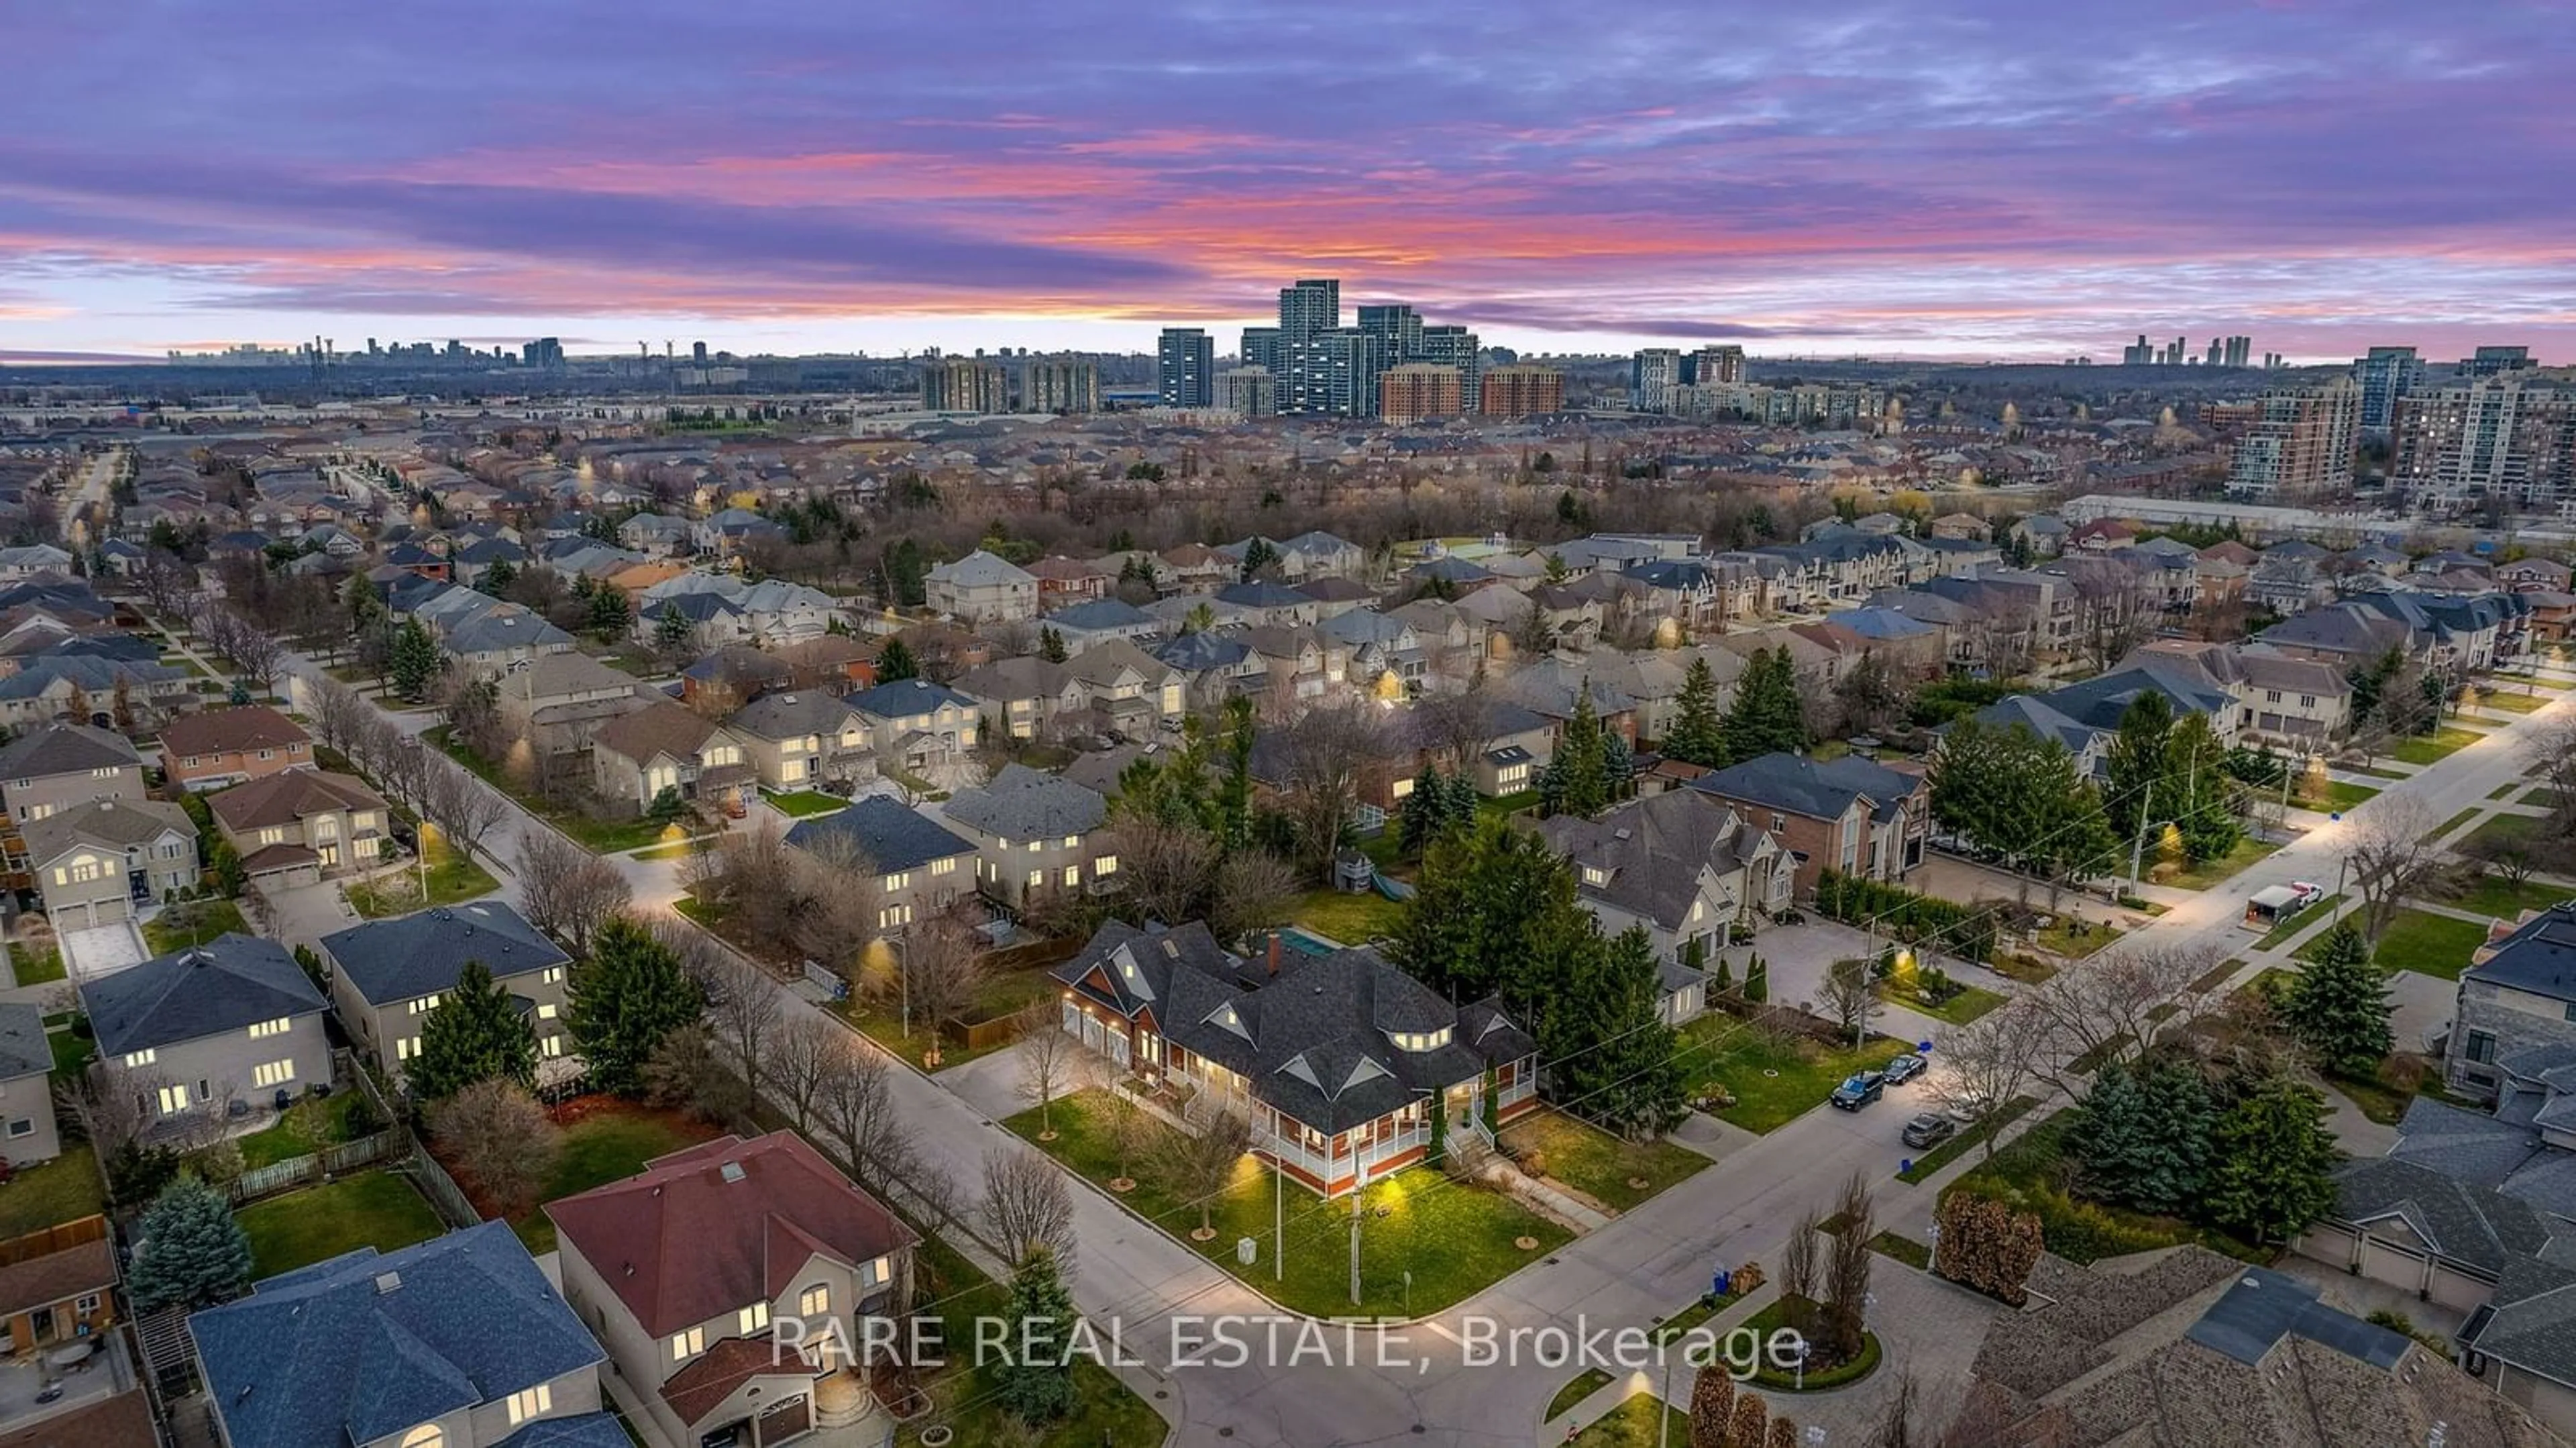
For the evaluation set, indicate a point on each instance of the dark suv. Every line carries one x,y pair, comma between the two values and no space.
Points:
1929,1129
1859,1090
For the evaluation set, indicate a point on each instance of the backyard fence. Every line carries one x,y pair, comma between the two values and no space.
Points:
440,1188
330,1161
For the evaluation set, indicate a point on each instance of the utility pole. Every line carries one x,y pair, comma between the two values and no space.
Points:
1278,1207
1359,1184
2138,846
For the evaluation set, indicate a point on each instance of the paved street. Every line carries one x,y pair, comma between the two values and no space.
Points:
1642,1266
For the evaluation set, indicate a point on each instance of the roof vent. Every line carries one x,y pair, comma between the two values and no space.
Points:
731,1171
387,1282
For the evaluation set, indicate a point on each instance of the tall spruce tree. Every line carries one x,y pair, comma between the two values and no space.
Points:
1482,897
2196,763
2275,1161
624,1000
475,1033
189,1251
1697,735
1036,1380
2143,1134
1768,717
1583,757
2338,1006
415,661
1617,1065
895,662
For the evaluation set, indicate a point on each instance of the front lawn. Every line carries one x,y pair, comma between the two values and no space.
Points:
963,1395
802,803
2494,895
1916,1255
73,1051
2031,1173
30,966
65,1189
2336,796
2435,945
306,1128
372,1209
1966,1005
1456,1239
2210,872
2279,935
1577,1388
452,880
606,1140
1001,994
2502,830
1619,1174
1350,919
1636,1423
192,922
2435,747
600,837
2509,702
1775,1080
2075,938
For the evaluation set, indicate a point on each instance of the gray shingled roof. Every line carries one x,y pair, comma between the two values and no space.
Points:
2539,957
890,835
2463,1221
368,1344
1021,803
419,954
24,1050
64,749
230,983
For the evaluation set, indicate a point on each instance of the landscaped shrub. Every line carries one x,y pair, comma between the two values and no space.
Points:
1987,1246
1913,918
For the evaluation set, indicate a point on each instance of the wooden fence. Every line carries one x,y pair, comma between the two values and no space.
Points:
440,1188
60,1237
330,1161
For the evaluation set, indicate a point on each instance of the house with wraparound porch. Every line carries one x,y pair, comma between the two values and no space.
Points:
1336,1058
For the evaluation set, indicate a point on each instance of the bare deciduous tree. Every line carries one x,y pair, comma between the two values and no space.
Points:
687,1072
1984,1064
1203,1160
856,1105
2109,1009
2392,856
742,1004
1847,1270
467,808
802,1052
1166,869
566,890
937,972
337,712
1046,1052
1325,755
1026,1205
501,1139
1850,996
1254,888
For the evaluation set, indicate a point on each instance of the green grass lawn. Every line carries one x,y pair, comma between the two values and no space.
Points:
1455,1238
1958,1010
72,1052
451,881
31,966
1916,1255
610,1143
1969,1138
2511,701
601,837
1348,918
1636,1423
2503,829
1506,804
2336,795
2454,822
2494,895
2029,1172
289,1137
1597,1164
1000,995
62,1190
1577,1388
1774,1081
2435,747
2279,935
804,802
2028,969
2429,944
1770,1379
2375,771
190,923
2210,872
2506,791
372,1209
2075,938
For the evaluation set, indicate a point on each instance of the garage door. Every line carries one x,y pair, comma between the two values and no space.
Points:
786,1420
2395,1266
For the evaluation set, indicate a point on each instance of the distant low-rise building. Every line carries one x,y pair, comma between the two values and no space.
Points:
982,588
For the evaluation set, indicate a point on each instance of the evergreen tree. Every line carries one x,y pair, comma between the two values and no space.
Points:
1050,645
1582,757
2205,810
1257,555
624,1000
366,608
1757,980
1618,764
1233,812
1035,1383
1424,810
189,1251
673,631
2143,1135
2338,1006
473,1034
895,662
415,661
2135,766
1616,1063
906,572
1768,717
239,694
1482,894
2275,1161
2021,798
1458,811
499,576
1696,736
1550,786
609,615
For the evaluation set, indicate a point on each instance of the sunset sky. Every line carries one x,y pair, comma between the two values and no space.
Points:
2010,178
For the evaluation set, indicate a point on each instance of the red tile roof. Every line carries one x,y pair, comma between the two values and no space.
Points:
703,1232
227,731
701,1387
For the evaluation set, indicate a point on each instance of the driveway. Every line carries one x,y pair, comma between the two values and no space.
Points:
102,950
303,914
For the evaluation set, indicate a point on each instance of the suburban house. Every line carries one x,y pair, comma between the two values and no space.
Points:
1097,622
730,674
387,974
682,1269
304,824
1033,833
502,640
1682,864
913,723
234,1020
2191,1347
28,1133
981,588
2280,700
656,536
227,746
456,1342
636,756
1850,814
1135,691
2518,995
56,765
63,1297
1064,581
1335,1058
110,859
1023,697
920,867
802,738
557,702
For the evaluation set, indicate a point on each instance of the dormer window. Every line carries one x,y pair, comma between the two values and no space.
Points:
1420,1040
1595,875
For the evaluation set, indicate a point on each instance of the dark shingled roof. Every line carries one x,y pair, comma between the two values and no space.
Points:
2539,956
1023,804
420,954
24,1049
890,835
366,1345
64,749
230,983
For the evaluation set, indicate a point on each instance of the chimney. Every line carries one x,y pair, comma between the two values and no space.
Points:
1274,952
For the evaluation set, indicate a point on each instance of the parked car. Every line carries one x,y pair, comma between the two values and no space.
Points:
1905,1068
1930,1128
1859,1090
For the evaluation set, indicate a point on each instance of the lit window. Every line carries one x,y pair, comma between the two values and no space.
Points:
174,1099
546,1012
274,1073
880,1271
897,881
137,1060
530,1403
553,975
1035,846
406,1047
752,1319
1072,876
944,867
425,1003
553,1045
1104,867
686,1345
1073,842
814,1301
427,1435
276,1027
1595,875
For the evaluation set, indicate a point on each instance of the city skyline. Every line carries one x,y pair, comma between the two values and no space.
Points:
2002,182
